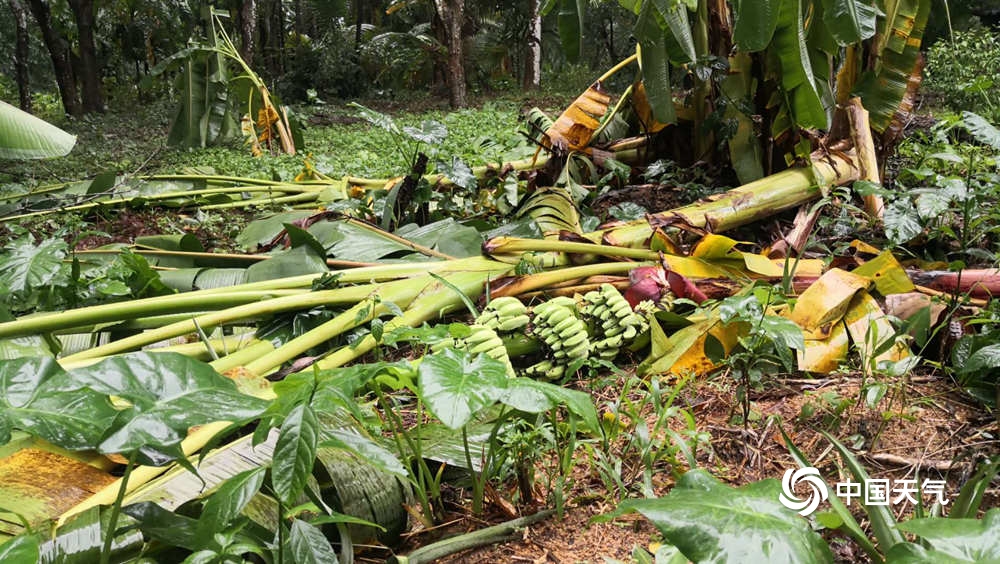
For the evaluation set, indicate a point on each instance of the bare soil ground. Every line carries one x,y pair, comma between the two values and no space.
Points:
924,424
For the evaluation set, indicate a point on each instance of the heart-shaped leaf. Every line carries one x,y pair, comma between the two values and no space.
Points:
713,522
169,393
965,540
456,385
38,396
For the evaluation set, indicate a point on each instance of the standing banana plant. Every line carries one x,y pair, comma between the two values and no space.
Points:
767,81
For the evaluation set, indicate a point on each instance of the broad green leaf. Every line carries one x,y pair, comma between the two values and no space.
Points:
264,230
367,449
783,332
849,21
655,65
675,15
709,521
295,453
308,545
38,396
986,358
25,266
755,22
226,503
168,527
984,131
447,235
178,242
797,77
292,262
377,119
349,241
22,549
912,553
532,396
570,19
458,172
966,540
455,385
901,222
430,132
24,136
169,393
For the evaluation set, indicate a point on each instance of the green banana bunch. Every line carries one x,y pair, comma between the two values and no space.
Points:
564,334
482,340
611,321
504,315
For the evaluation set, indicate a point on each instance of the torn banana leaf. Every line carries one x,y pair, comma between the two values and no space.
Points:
826,300
823,356
873,335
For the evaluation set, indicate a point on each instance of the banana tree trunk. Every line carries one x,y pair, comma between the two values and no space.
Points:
749,203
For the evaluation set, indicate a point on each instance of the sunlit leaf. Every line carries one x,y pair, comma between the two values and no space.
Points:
455,385
295,453
712,522
24,136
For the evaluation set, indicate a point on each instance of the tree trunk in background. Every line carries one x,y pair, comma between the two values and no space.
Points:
451,13
358,10
21,53
60,57
90,72
272,36
248,29
299,26
533,74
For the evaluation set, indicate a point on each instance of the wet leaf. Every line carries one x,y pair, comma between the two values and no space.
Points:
229,500
455,385
308,545
295,453
169,393
22,549
38,396
709,521
25,266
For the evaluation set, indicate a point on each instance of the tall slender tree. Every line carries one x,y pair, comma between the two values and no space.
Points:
452,13
20,14
58,50
533,62
89,70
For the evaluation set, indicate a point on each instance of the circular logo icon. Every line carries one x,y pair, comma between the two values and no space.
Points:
817,490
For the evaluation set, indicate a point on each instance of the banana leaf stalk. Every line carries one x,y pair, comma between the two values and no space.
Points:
746,204
217,298
202,258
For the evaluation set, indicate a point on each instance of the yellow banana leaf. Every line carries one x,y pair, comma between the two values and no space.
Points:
573,130
683,353
826,300
887,274
823,356
870,329
38,485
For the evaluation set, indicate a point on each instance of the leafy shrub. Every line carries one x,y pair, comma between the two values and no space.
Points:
965,72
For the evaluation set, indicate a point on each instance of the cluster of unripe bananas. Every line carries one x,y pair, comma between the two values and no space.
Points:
567,330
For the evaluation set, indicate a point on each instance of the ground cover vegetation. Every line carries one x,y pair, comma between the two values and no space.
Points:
458,281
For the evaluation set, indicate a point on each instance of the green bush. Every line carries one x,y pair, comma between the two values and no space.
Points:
965,71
